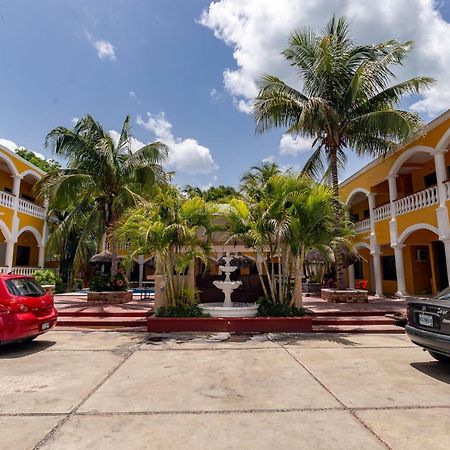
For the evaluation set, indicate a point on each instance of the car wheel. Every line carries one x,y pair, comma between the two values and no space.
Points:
29,339
441,358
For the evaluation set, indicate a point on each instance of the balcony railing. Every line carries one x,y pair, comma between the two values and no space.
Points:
382,212
8,200
417,201
363,225
25,270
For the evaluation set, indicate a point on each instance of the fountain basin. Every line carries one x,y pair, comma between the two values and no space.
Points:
218,310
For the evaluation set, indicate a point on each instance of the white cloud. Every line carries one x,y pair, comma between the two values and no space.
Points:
290,145
132,94
105,50
185,155
11,145
74,120
135,144
259,30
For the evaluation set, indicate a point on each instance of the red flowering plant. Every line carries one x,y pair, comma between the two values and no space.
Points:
104,282
118,282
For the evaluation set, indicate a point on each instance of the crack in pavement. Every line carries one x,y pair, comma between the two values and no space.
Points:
344,406
65,418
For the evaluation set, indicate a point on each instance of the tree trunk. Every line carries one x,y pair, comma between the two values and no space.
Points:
298,283
337,211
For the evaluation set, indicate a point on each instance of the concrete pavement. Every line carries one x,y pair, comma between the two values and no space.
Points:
105,390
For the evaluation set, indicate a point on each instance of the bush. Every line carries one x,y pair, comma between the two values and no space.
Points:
78,284
45,276
268,308
181,310
104,282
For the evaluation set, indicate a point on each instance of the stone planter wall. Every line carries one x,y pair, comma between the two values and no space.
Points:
230,324
49,289
113,297
345,296
312,288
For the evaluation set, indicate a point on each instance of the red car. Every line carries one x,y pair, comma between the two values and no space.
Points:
26,310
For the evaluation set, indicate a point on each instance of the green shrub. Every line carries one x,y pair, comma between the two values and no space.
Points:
78,284
181,310
58,285
102,282
45,276
268,308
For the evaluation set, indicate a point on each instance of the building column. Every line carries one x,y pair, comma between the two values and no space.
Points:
441,210
378,274
41,258
9,254
400,270
141,269
351,276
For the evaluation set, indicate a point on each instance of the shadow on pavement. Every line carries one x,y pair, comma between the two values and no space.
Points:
434,369
21,349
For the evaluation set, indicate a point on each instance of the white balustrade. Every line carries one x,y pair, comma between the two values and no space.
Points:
26,270
447,185
363,225
7,199
31,208
382,212
417,201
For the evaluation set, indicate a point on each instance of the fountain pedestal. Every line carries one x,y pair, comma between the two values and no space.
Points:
227,309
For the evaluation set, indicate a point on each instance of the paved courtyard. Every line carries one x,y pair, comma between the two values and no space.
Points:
105,390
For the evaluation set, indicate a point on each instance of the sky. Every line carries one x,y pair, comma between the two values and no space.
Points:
186,71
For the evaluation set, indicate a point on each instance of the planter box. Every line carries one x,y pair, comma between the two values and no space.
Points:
49,288
231,324
345,295
110,297
312,288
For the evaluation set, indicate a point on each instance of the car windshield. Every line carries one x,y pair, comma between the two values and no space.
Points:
444,295
25,287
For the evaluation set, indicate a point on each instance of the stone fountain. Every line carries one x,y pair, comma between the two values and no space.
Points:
228,308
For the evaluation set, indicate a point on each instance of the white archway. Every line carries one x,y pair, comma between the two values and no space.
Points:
32,230
362,245
32,173
406,155
355,191
5,230
417,226
444,141
8,160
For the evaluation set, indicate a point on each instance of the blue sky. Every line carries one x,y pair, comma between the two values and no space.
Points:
182,69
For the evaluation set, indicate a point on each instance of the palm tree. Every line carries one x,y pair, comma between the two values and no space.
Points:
347,100
174,230
101,181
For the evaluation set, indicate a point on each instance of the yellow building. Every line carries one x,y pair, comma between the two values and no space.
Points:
400,204
23,229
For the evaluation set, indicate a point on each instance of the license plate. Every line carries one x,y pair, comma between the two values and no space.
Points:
426,320
45,326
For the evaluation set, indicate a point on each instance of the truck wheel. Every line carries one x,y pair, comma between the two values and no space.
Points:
439,357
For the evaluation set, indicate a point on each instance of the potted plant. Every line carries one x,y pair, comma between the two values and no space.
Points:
107,288
314,284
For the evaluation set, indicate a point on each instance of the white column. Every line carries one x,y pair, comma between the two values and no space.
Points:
351,276
441,175
371,199
378,272
41,258
141,269
9,254
400,269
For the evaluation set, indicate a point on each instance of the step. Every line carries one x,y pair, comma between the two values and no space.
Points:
77,313
391,329
318,313
101,322
355,320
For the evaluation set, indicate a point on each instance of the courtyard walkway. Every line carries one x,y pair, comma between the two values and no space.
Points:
107,390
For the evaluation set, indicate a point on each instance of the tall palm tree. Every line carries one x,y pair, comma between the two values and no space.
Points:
345,100
174,230
101,181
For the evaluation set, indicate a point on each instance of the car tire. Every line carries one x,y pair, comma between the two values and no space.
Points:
439,357
29,339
